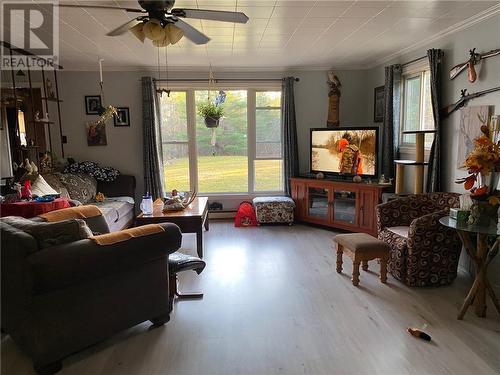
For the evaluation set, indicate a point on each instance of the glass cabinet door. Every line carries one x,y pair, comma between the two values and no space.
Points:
318,204
344,207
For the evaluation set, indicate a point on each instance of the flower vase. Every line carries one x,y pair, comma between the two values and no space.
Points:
483,214
491,181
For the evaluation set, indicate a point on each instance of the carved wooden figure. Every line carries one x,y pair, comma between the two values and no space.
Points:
333,100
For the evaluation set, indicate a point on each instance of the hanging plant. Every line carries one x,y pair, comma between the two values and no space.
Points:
211,113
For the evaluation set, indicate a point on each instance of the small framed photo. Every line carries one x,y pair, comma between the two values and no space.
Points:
378,104
92,104
122,117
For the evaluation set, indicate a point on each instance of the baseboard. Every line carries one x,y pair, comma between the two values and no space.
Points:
222,214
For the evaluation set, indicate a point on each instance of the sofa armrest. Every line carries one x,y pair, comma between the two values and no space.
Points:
393,214
61,266
427,234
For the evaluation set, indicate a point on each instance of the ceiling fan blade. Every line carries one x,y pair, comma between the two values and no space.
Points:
125,27
214,15
191,33
102,7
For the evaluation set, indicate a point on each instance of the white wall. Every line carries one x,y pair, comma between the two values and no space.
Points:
484,37
124,149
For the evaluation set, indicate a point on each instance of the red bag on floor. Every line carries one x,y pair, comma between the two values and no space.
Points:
245,217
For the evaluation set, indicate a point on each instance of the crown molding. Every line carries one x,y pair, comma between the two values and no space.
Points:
216,69
465,24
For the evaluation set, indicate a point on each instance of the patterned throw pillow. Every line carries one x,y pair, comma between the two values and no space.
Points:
93,169
51,234
40,187
81,187
54,180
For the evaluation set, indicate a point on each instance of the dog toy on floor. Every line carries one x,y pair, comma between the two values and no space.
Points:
418,333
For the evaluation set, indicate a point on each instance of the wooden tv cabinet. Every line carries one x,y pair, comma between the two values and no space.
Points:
337,204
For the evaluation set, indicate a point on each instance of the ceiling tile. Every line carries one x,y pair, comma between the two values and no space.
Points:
279,33
291,12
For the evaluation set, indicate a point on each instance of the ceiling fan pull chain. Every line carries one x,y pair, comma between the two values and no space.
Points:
166,71
159,69
211,80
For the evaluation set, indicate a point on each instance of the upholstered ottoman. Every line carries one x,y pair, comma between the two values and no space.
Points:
361,248
274,209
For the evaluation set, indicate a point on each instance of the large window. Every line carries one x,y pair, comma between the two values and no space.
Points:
416,111
242,155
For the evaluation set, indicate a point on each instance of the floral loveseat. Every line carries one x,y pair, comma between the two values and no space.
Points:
118,207
423,252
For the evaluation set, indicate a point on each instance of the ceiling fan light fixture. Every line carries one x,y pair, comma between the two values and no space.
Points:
175,34
162,42
153,30
138,31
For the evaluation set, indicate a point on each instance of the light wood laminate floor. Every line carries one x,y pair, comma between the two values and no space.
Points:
274,304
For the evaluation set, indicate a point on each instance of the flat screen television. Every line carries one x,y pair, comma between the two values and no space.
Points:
345,151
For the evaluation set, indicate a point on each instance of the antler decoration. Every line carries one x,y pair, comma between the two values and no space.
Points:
177,203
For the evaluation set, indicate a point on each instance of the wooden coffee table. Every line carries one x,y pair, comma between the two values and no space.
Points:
190,220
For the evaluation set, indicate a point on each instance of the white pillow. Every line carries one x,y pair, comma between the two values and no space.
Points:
41,187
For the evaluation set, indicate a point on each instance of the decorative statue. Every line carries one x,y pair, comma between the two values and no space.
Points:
333,100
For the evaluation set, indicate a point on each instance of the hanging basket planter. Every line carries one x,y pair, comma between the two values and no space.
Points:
211,113
212,122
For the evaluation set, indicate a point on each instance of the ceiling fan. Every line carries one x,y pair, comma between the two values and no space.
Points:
163,24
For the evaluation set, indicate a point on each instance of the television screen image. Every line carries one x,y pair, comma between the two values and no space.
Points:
345,151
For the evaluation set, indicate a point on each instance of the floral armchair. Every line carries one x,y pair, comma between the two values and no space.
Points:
423,252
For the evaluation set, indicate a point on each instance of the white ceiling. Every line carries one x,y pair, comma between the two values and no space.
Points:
280,34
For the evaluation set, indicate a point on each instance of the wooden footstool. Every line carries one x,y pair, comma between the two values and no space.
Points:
361,248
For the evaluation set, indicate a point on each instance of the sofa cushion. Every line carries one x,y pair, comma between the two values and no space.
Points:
401,230
81,187
51,234
117,211
281,202
360,242
40,187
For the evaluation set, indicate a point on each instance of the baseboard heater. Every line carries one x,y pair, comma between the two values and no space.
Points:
222,214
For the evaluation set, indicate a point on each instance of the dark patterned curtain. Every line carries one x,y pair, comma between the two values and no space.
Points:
153,163
390,131
434,171
290,149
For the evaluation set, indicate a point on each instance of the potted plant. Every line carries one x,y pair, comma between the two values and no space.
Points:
211,113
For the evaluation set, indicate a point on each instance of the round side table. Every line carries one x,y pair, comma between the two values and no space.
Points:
481,254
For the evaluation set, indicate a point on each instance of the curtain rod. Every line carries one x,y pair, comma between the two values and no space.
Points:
414,60
222,80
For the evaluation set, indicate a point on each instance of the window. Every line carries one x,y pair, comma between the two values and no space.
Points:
175,141
242,155
416,113
268,165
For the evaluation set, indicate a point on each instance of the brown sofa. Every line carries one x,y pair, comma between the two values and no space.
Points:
59,299
423,252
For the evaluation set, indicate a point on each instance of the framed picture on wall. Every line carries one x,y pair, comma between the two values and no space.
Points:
378,104
92,104
122,117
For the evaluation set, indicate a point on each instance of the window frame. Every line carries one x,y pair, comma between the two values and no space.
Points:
417,69
252,88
